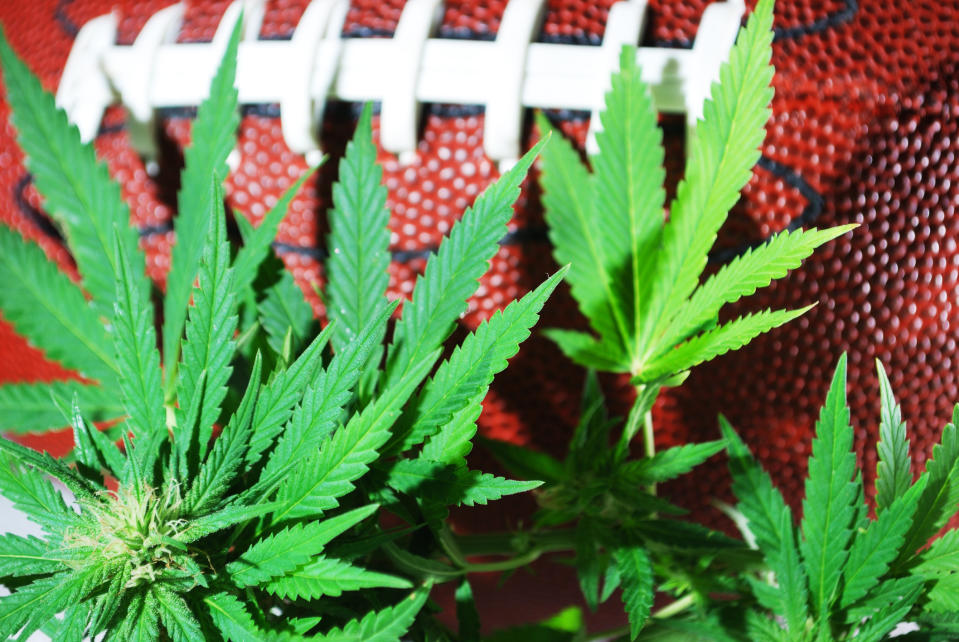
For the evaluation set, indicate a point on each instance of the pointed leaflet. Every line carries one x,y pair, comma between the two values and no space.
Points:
629,176
134,341
451,275
327,576
388,625
828,510
44,463
893,474
33,494
669,464
346,456
77,190
227,517
941,557
568,201
872,551
583,349
359,238
742,276
26,407
283,310
209,344
44,306
291,548
213,135
770,521
722,154
717,341
232,618
941,494
636,574
20,556
467,616
527,464
221,467
256,244
448,485
323,403
274,404
887,619
472,366
177,618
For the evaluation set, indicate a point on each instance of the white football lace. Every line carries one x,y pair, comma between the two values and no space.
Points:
505,75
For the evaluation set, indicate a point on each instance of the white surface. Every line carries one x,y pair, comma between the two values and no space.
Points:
505,75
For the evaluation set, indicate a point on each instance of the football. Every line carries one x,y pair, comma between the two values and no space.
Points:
864,129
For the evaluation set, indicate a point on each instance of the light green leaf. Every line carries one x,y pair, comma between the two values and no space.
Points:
451,275
357,268
941,557
43,462
717,341
77,189
893,474
723,151
388,625
943,596
754,269
629,176
828,507
940,496
178,620
27,407
671,463
213,136
291,548
134,342
20,556
141,620
327,576
45,307
872,552
583,349
346,456
770,521
468,373
35,496
232,619
888,618
209,344
284,309
636,575
224,518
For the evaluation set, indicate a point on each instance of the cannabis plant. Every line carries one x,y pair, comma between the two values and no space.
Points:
843,575
638,281
267,528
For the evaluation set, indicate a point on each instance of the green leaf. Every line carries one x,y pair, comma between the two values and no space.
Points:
20,556
943,596
134,341
893,474
629,176
467,374
717,341
45,463
283,310
450,485
322,405
221,467
770,521
942,556
35,496
387,625
452,274
583,349
213,136
467,617
568,199
256,245
291,547
722,153
828,507
524,462
671,463
887,598
45,307
872,552
474,487
209,345
26,407
357,268
327,576
636,574
76,189
589,567
893,614
232,619
940,496
223,518
346,456
178,620
274,405
754,269
141,620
